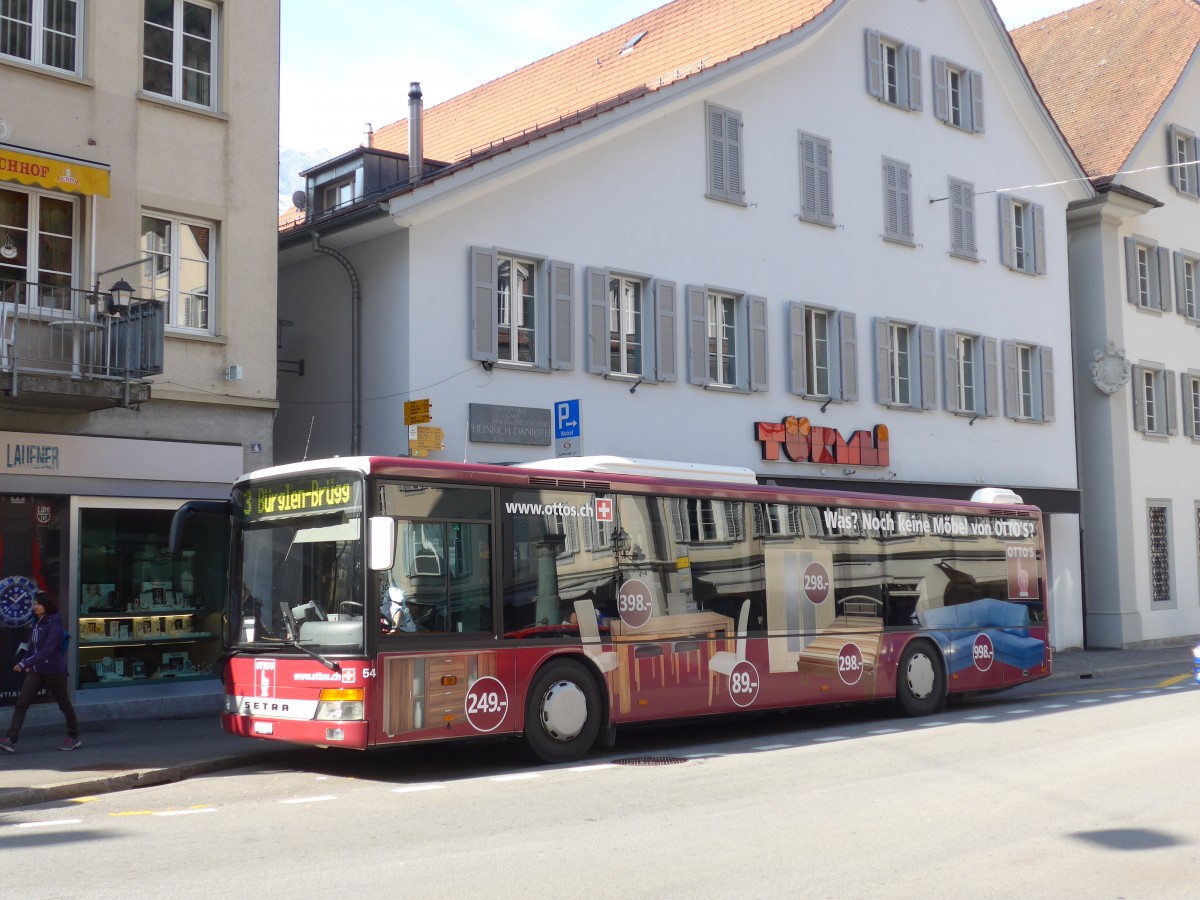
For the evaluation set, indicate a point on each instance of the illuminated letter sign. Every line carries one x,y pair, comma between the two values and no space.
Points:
799,440
302,496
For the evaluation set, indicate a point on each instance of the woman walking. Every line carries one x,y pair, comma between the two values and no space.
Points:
44,667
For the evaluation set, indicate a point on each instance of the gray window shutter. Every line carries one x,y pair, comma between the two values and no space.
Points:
1189,418
950,368
962,218
757,308
928,340
665,337
678,523
824,182
733,143
697,342
913,57
976,100
1046,357
1039,239
799,349
848,364
599,360
883,353
1139,399
1011,406
717,183
484,339
1007,251
991,378
941,97
1180,285
897,201
874,58
1173,158
1172,402
1164,279
816,201
562,316
904,187
1194,181
1131,271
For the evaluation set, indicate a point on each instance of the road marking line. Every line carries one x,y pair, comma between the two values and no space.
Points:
931,724
1017,712
1118,696
1089,700
1055,706
772,747
885,731
979,718
592,768
309,799
51,822
826,740
1171,682
186,812
133,812
417,788
518,776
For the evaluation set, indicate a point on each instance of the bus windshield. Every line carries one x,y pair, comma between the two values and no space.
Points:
301,576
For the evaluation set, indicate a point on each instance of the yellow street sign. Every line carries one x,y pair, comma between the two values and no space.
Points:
417,411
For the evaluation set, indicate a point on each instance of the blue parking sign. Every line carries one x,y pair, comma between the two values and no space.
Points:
566,419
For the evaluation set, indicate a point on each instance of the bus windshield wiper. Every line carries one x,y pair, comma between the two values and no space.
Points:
294,640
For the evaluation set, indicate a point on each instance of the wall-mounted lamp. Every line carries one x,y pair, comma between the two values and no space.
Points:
624,547
116,301
635,385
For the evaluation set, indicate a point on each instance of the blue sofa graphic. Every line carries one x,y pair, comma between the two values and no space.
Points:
1007,624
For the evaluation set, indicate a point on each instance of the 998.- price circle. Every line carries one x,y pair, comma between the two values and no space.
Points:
486,704
743,683
983,652
634,603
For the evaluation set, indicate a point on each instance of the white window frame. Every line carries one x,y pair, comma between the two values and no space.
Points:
1154,402
778,520
906,364
957,95
1159,555
1022,235
970,364
893,71
338,194
823,342
170,294
726,339
705,521
41,31
1148,274
54,296
1189,393
1028,381
179,39
551,332
627,299
1183,153
1187,284
725,155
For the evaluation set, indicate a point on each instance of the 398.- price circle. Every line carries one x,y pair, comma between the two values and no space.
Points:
634,603
816,583
983,652
743,683
486,704
850,664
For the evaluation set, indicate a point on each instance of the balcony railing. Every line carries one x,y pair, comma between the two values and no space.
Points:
72,333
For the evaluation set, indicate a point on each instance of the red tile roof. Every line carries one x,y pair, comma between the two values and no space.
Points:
681,39
1104,70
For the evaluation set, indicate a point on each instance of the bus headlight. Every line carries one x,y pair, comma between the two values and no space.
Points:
340,705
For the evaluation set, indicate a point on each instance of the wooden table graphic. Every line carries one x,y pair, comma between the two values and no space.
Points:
663,628
820,658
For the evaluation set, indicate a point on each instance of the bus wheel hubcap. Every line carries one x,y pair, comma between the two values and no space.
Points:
920,676
564,710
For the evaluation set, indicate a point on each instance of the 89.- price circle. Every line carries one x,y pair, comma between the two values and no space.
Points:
850,664
743,683
983,652
486,704
816,583
634,603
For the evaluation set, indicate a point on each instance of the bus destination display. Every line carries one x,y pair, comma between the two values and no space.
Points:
302,496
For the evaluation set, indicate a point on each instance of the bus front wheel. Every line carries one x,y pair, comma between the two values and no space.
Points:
921,680
562,712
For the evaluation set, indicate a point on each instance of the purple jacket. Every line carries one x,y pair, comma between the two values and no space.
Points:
45,656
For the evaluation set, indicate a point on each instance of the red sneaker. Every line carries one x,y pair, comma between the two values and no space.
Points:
71,744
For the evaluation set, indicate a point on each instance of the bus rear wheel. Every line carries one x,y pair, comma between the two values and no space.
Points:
562,712
920,680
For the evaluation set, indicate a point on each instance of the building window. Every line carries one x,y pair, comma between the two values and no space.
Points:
1154,401
180,269
962,219
816,201
42,32
957,95
897,202
626,332
1160,553
1182,156
1147,274
522,310
724,154
971,368
905,364
179,41
631,328
1022,235
824,351
1190,384
38,247
727,339
778,520
1028,382
708,521
338,194
1187,303
893,71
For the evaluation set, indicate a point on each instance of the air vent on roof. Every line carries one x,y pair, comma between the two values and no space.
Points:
632,42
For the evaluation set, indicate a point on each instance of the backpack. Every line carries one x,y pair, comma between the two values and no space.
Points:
66,642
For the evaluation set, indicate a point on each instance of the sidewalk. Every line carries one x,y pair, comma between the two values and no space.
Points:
120,754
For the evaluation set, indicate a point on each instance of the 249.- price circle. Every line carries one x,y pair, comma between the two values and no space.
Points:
634,603
983,652
850,664
486,704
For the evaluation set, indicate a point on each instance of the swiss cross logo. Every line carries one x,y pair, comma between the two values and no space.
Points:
604,510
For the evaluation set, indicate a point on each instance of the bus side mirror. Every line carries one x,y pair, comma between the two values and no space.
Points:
381,543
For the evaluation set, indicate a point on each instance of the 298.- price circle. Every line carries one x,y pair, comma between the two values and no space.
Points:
816,583
486,704
743,683
850,664
634,603
983,652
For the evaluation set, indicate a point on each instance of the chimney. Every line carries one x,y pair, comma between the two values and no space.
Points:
416,163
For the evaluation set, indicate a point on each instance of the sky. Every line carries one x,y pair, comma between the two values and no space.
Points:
346,65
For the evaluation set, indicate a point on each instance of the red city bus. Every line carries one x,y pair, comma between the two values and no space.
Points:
378,601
